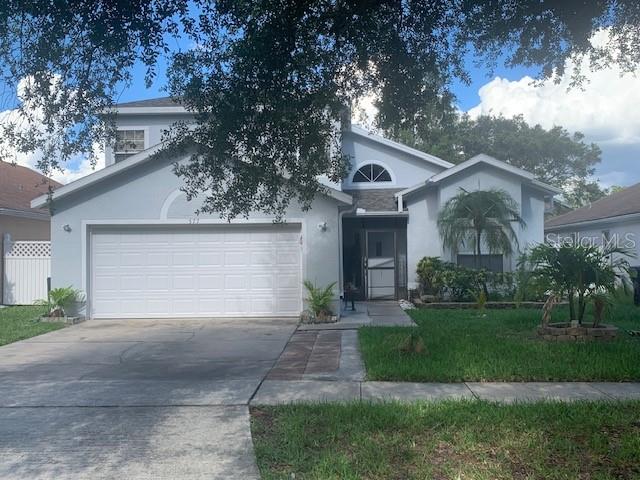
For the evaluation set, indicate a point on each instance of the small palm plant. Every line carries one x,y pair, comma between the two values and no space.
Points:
480,217
319,298
59,300
581,273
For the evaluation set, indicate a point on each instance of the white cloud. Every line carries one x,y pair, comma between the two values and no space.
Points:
604,108
614,177
76,168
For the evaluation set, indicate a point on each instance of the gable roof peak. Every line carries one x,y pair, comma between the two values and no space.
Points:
374,137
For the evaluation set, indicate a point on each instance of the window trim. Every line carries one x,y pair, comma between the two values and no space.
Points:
145,129
369,185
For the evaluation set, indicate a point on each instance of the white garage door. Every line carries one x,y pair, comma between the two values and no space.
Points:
206,271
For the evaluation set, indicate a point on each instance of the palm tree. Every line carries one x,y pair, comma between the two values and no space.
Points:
480,216
582,272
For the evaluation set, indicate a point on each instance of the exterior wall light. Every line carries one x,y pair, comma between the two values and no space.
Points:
322,226
66,228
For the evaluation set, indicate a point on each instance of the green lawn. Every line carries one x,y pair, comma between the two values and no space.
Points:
449,440
18,323
467,345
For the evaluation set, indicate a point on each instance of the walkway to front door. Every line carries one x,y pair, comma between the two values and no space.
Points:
329,351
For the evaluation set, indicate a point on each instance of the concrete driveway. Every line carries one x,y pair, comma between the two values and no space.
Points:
135,399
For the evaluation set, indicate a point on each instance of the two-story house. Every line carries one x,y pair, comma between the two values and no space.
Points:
128,237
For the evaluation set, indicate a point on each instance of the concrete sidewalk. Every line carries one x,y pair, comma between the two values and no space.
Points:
275,392
381,313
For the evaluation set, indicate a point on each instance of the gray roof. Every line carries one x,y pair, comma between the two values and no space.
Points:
375,200
151,102
624,202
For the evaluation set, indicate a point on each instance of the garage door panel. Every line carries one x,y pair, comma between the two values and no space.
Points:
212,271
209,259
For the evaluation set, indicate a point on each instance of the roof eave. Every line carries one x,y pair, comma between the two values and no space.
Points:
148,110
339,196
127,164
96,176
356,130
30,214
546,187
595,221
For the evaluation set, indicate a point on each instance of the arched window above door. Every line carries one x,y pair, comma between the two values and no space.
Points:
371,173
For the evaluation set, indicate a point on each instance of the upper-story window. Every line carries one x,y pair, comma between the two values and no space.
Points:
371,173
128,142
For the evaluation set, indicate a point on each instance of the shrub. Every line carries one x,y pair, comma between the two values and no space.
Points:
457,283
581,273
59,300
319,298
528,286
430,270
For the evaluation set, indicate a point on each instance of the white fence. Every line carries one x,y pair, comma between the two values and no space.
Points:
27,266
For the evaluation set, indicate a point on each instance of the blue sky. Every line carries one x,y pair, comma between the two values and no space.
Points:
467,95
618,159
605,111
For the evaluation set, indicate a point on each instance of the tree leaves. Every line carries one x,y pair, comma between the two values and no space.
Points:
268,80
554,156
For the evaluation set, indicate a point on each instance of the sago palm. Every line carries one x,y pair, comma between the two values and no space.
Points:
480,217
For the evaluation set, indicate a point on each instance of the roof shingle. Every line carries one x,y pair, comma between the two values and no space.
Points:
19,185
624,202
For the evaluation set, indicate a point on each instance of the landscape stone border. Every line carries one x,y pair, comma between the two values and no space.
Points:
64,320
566,332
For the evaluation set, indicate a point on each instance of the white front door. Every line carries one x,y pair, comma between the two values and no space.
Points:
203,271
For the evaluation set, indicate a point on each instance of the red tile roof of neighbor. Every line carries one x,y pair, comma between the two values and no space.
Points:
624,202
19,185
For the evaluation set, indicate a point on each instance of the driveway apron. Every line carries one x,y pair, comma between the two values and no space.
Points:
135,399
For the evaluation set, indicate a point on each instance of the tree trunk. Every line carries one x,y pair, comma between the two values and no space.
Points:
581,307
478,248
572,309
478,261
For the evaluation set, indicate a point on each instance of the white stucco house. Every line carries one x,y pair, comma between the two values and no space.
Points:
612,220
127,236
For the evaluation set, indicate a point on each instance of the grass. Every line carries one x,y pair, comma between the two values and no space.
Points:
457,440
18,323
500,345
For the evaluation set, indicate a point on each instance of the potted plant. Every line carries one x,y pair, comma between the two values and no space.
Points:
60,302
319,300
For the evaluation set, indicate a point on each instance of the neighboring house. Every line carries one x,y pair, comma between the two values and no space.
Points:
128,237
18,186
614,219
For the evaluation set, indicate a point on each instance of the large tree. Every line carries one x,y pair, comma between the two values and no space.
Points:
267,80
554,155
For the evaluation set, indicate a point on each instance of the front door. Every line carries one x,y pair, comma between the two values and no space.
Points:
381,264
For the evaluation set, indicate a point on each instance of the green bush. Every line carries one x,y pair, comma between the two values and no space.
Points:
430,271
61,299
320,298
446,280
582,274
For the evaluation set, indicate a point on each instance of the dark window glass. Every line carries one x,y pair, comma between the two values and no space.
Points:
492,263
371,173
360,177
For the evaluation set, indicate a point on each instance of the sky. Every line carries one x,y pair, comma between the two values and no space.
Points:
605,109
